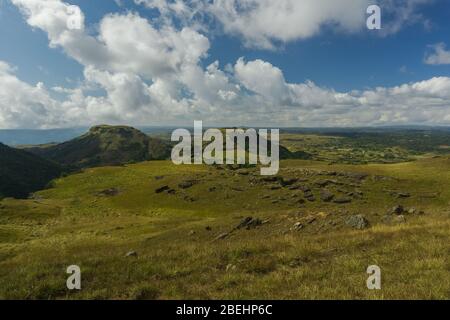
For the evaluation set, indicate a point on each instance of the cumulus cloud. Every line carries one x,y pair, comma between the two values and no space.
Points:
154,74
22,104
438,55
265,23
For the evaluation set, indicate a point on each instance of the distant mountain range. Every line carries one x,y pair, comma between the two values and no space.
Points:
20,137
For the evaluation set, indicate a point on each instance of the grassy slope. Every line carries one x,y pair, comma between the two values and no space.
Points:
73,224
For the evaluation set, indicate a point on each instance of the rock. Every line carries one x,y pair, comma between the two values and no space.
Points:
305,188
311,220
131,254
222,236
189,199
298,226
187,184
324,183
288,182
342,200
357,222
412,211
109,192
356,175
270,179
162,189
326,196
397,210
249,223
401,195
309,196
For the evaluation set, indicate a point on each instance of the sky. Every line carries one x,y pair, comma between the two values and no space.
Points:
286,63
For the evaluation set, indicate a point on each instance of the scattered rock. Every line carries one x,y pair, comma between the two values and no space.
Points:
162,189
397,210
187,184
298,226
111,192
304,188
249,223
326,195
222,236
288,182
131,254
342,200
309,196
400,195
357,222
270,179
189,199
356,175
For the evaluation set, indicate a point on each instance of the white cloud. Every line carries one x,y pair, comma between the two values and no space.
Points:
266,23
22,104
153,74
439,55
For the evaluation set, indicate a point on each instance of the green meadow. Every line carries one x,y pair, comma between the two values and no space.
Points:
153,230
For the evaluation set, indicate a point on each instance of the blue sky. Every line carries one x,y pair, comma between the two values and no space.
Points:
334,60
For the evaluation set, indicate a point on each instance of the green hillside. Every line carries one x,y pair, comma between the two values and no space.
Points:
105,145
153,230
22,172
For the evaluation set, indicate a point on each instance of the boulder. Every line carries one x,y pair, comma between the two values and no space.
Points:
186,184
326,195
342,200
357,222
399,209
249,223
162,189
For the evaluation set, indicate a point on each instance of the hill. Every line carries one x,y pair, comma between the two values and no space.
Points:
105,145
22,172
